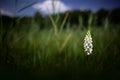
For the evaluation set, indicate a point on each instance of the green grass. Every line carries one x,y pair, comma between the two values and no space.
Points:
58,53
46,53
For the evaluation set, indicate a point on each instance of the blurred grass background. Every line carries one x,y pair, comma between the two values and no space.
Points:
54,50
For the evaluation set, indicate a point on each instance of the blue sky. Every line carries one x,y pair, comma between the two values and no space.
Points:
8,6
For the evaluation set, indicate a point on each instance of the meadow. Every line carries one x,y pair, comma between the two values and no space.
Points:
29,52
59,54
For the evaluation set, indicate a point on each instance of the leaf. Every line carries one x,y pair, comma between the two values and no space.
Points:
64,20
27,6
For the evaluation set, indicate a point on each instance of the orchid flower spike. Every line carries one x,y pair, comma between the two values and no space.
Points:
88,46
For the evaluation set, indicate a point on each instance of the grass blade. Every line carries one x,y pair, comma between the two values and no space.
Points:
64,20
53,22
65,42
25,7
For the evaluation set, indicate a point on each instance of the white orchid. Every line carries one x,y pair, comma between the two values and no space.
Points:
88,46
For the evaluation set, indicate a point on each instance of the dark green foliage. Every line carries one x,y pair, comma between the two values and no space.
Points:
38,53
114,16
29,46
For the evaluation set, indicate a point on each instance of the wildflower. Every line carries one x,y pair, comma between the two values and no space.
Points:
88,46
